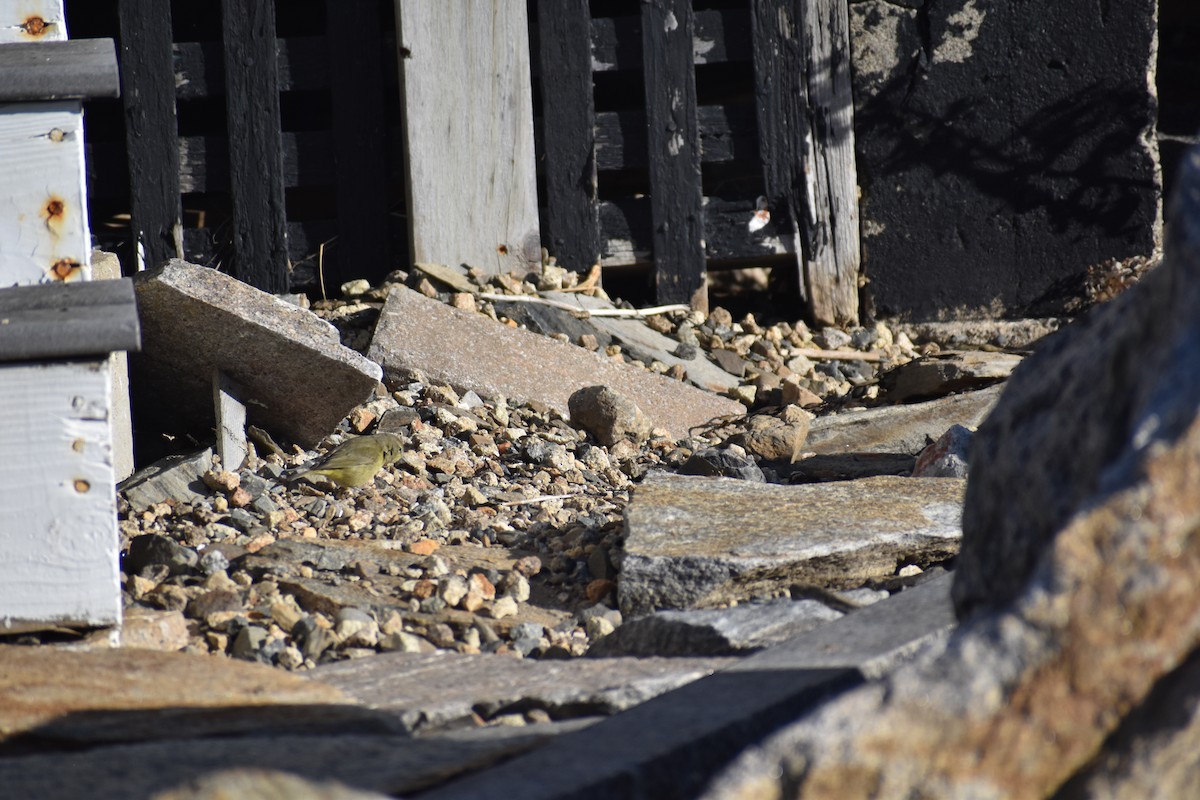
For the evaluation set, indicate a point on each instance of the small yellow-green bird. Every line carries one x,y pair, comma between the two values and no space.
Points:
355,461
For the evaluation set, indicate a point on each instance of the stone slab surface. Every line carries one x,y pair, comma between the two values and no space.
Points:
297,377
953,371
634,336
718,631
433,690
694,542
898,429
388,764
670,746
471,352
52,694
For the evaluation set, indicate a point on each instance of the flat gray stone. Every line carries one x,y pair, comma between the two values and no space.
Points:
297,377
941,374
176,478
670,746
442,689
1016,334
898,429
693,542
389,765
718,631
471,352
646,344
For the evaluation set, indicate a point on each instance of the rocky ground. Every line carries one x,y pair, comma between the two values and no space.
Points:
500,528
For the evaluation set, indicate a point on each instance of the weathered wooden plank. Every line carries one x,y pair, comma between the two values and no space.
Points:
43,205
807,146
75,69
65,320
32,21
833,266
150,131
230,414
569,119
468,136
256,152
721,35
360,158
58,533
727,133
673,137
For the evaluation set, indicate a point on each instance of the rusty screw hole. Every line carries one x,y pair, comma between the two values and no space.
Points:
54,208
34,26
502,249
64,269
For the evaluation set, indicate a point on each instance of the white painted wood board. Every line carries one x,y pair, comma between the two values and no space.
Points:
59,560
468,133
43,200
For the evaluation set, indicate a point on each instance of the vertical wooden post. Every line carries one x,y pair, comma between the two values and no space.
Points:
43,200
468,133
569,119
255,144
151,134
356,79
676,193
806,143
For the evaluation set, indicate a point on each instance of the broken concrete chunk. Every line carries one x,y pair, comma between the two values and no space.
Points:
470,351
697,542
948,457
297,377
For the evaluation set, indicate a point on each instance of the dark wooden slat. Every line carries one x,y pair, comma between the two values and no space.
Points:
721,35
307,161
150,131
360,158
572,233
782,106
801,63
673,138
64,320
303,65
727,133
70,69
628,237
302,61
255,149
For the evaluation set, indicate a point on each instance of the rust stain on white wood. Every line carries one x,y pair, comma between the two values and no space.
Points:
43,200
58,533
465,86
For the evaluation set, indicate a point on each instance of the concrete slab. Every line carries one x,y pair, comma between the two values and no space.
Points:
470,351
296,376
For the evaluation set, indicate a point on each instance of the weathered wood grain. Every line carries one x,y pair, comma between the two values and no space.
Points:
572,217
468,135
806,142
156,213
260,256
673,142
58,533
59,70
88,318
